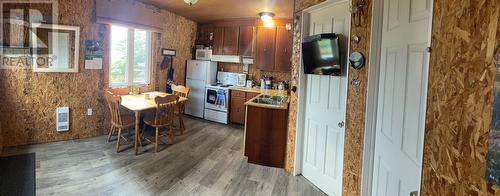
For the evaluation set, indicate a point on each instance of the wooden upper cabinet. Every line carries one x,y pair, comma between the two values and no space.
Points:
265,48
205,34
230,41
218,41
283,50
246,41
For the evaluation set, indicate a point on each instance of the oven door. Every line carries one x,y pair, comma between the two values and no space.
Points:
217,99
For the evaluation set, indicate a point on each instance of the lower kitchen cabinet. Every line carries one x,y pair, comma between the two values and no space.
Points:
237,107
265,136
237,113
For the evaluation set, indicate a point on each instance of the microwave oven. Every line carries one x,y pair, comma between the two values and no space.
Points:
203,54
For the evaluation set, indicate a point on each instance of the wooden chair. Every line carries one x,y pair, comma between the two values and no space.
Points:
180,91
163,118
118,120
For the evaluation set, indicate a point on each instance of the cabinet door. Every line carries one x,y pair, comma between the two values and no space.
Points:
237,113
262,146
247,39
264,55
203,35
218,40
230,41
283,50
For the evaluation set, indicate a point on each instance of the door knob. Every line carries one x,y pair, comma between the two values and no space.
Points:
414,193
341,124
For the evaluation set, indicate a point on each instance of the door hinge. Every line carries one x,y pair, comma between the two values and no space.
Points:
428,49
414,193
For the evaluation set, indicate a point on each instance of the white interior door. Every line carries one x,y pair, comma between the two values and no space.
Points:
401,97
325,109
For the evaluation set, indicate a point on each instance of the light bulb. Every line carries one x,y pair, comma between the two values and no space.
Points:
190,2
267,18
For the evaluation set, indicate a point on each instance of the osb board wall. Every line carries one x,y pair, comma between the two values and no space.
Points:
465,44
356,100
254,72
178,33
29,99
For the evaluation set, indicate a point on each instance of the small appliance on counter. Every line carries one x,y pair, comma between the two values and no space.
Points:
249,83
217,96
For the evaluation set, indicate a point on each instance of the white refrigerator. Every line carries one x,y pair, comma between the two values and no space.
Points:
198,74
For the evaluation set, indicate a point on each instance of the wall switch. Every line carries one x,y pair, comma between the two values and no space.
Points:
89,112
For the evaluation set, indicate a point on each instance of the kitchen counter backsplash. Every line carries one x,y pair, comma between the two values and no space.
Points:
254,72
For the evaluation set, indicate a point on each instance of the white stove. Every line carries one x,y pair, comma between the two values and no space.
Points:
217,96
219,85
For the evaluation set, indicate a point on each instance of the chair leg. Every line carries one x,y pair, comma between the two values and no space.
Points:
118,140
156,139
181,124
142,132
171,134
111,131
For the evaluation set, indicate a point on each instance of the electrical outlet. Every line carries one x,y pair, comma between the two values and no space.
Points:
89,112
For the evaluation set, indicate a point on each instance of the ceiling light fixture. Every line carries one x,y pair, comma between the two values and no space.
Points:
267,18
190,2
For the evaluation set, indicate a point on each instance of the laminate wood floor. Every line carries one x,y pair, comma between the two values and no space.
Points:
206,160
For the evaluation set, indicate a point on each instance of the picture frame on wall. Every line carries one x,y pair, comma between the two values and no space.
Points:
55,48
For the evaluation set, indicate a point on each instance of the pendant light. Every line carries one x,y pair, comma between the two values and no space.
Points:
267,18
190,2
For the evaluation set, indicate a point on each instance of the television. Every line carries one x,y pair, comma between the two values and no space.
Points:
321,54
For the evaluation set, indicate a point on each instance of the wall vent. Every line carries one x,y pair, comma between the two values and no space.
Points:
62,119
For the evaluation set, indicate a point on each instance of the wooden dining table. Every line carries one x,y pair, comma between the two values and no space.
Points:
142,102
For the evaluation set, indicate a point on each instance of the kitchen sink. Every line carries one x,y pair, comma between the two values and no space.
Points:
270,100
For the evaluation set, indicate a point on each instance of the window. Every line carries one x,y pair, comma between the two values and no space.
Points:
130,57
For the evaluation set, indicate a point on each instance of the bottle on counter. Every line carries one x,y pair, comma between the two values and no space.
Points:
269,82
249,84
281,86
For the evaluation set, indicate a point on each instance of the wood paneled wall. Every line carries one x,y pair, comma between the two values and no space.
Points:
29,100
465,39
465,45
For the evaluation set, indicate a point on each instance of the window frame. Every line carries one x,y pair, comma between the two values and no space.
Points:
129,69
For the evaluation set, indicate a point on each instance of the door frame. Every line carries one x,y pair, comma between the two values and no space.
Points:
372,91
301,101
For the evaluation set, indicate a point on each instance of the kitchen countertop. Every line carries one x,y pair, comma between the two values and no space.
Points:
261,91
271,92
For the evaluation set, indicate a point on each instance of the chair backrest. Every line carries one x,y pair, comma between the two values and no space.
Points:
118,91
165,108
180,90
114,102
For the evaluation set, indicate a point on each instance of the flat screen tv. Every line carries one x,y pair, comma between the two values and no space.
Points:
321,54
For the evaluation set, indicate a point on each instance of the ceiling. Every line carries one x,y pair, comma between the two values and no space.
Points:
211,10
